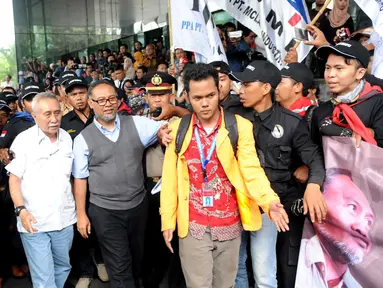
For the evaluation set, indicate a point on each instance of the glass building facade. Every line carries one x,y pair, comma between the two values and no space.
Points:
48,30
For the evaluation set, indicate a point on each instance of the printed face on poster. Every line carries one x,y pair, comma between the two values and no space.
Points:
346,249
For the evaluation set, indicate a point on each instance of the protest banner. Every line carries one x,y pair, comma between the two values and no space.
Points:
274,22
193,29
346,249
374,10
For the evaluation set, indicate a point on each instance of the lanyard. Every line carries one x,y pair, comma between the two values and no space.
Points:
204,161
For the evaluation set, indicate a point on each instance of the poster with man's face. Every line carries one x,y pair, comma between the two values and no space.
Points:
346,250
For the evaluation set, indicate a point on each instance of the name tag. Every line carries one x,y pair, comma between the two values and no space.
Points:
207,196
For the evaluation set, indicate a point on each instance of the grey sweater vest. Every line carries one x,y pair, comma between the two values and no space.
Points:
116,179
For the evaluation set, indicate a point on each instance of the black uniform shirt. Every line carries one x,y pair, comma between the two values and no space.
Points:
72,123
279,134
14,127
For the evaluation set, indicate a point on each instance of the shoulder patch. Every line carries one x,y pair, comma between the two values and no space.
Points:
3,133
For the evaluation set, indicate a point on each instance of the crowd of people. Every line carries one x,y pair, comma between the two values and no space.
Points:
130,169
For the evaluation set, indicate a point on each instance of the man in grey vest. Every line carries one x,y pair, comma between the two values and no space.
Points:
108,156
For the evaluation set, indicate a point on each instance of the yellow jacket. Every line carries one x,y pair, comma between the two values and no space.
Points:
244,172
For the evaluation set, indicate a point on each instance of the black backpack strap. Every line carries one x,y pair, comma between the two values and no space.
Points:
181,132
232,128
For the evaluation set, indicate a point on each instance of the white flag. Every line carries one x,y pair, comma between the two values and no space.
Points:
194,30
374,10
274,21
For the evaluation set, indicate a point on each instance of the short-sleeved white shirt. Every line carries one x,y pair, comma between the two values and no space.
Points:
45,168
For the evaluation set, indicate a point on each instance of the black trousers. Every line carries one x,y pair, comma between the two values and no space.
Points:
121,234
82,253
288,245
159,262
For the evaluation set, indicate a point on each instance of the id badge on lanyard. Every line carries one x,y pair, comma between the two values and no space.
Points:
207,190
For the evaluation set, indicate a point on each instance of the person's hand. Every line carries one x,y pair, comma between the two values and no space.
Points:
168,236
4,157
314,203
163,135
167,112
319,39
358,138
27,219
302,174
279,216
291,56
83,225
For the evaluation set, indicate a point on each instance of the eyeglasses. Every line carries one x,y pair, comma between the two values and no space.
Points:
102,102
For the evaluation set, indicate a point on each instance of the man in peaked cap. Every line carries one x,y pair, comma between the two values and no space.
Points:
157,257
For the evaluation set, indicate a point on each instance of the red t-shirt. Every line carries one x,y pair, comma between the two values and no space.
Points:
223,218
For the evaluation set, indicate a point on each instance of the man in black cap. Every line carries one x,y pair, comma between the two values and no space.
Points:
157,257
10,99
230,100
291,92
64,78
279,134
81,116
353,96
20,121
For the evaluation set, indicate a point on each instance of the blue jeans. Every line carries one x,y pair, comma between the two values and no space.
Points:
263,256
48,256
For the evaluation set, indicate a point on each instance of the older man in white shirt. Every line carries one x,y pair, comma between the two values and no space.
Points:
41,191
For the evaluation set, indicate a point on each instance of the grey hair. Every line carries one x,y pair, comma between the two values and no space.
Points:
332,173
94,84
42,96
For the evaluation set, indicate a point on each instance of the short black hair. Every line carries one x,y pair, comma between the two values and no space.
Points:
94,55
124,45
107,50
119,67
163,63
199,72
143,68
97,83
230,25
89,64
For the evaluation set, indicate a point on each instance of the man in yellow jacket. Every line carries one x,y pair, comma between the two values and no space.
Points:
210,193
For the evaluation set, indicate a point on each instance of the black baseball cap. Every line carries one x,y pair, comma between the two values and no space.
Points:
221,67
8,97
31,88
349,49
65,76
259,70
300,73
4,106
75,82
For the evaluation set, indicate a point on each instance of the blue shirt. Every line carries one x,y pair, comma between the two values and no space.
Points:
146,128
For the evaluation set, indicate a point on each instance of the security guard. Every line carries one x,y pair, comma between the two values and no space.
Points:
81,116
157,257
11,101
229,98
64,77
20,121
279,134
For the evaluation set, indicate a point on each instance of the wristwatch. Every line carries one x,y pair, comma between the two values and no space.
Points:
18,209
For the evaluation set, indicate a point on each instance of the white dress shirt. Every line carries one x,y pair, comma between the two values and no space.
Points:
312,268
45,168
